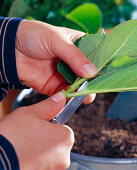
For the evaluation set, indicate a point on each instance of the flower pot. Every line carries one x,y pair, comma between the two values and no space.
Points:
83,162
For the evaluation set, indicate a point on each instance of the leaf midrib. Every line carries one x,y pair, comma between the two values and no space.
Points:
111,77
117,50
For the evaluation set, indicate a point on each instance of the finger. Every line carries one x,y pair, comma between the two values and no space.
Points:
64,86
74,34
49,108
55,84
89,99
78,62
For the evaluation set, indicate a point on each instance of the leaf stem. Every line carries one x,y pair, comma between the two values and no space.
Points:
79,93
78,78
76,84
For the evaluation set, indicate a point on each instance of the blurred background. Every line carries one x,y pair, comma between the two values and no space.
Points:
84,15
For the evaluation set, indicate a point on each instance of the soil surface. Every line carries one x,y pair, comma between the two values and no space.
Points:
95,134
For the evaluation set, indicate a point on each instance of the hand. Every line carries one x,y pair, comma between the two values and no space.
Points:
39,46
39,144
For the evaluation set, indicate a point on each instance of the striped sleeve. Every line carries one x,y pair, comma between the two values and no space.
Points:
8,157
8,72
8,80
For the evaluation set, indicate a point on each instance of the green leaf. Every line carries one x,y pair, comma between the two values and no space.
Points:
120,80
120,63
124,79
71,5
115,55
91,42
121,41
18,8
87,16
65,70
73,25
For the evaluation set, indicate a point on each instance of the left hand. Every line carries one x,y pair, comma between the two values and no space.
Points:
39,144
39,46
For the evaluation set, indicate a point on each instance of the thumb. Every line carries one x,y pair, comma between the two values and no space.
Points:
49,108
75,58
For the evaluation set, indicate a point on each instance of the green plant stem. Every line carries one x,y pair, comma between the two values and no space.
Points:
85,92
79,93
76,84
78,78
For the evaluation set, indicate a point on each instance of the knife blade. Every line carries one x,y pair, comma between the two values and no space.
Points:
70,107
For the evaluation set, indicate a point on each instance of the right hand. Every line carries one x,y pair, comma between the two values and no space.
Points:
38,143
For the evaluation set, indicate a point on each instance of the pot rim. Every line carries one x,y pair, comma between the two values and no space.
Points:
92,159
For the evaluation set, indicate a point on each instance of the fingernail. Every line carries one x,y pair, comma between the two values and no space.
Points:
58,97
90,69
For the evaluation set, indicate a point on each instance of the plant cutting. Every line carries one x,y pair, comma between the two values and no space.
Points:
115,56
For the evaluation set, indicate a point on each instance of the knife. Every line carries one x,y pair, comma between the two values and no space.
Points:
70,107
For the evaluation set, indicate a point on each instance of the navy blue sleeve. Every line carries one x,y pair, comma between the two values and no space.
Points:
8,157
8,72
8,80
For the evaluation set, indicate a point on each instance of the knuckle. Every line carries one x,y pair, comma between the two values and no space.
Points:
64,164
75,52
69,136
